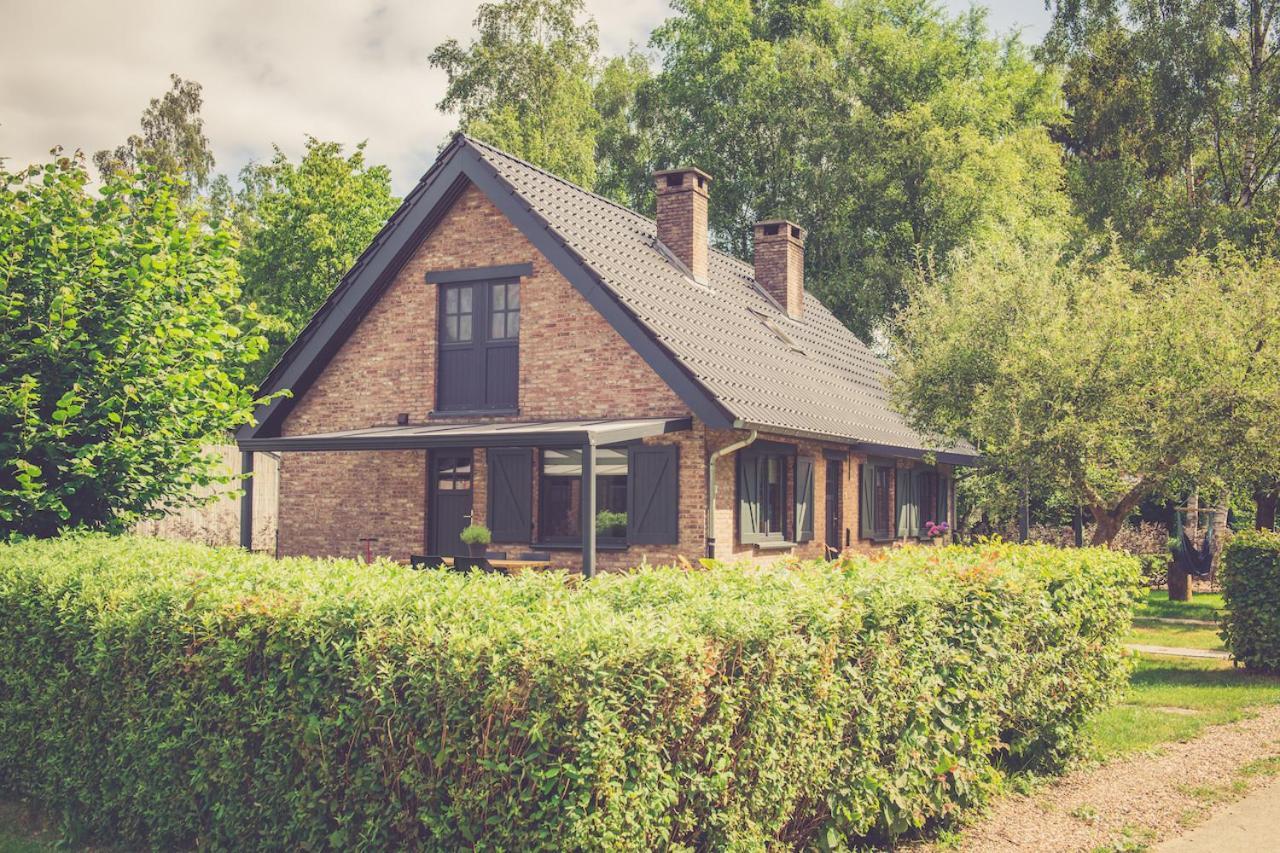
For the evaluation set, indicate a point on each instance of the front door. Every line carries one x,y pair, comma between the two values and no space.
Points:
450,509
835,523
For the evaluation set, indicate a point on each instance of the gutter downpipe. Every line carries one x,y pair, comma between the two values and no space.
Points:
711,485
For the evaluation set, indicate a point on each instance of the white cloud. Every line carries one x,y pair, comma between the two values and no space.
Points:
77,73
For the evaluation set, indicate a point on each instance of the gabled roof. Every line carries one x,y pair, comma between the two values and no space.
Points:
726,348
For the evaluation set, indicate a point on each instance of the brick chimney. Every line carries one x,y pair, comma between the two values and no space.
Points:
780,263
682,216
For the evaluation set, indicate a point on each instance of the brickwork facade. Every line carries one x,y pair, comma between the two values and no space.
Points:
572,365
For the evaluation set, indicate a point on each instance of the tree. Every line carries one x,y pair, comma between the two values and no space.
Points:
1102,381
304,225
886,128
120,350
525,83
1174,120
1174,129
625,142
172,141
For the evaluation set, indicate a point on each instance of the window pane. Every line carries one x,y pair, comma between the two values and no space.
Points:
497,327
513,324
499,292
562,463
465,296
451,301
451,328
513,297
464,327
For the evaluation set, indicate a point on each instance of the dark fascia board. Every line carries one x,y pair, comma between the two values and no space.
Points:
461,164
335,321
479,273
949,457
945,457
572,266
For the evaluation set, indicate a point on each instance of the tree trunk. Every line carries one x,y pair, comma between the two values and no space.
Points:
1265,500
1179,583
1106,526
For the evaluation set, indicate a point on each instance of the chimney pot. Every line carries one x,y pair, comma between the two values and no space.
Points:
682,217
779,263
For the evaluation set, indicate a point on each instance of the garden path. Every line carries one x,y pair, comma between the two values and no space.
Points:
1132,802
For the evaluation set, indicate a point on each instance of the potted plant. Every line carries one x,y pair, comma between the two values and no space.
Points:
477,538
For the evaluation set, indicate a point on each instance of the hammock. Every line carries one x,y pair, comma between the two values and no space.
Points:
1190,559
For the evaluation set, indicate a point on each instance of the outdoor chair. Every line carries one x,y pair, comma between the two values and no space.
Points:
466,564
430,561
535,556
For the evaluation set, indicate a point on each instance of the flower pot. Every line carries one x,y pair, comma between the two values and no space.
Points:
476,549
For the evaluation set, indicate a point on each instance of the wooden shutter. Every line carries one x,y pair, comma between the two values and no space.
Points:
511,494
804,499
867,501
653,495
748,498
943,513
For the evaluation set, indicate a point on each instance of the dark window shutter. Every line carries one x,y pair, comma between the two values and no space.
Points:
804,499
511,494
748,498
653,495
943,513
866,501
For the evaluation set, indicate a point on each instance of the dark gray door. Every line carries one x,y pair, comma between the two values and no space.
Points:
450,501
835,523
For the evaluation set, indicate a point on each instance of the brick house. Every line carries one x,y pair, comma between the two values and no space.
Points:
516,351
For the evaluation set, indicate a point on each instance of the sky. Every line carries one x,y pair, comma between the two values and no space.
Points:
78,73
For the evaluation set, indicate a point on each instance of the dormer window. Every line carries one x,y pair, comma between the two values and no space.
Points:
479,364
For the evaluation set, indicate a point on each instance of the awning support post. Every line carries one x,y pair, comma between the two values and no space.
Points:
246,501
588,509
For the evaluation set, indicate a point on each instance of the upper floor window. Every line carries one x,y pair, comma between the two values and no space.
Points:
479,364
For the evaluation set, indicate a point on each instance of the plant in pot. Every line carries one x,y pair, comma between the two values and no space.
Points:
477,538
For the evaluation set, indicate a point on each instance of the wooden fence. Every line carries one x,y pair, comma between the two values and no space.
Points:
218,522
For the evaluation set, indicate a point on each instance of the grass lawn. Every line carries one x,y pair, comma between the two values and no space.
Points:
1201,606
21,832
1172,699
1180,636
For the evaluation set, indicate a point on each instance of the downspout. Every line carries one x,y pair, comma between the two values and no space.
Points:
711,486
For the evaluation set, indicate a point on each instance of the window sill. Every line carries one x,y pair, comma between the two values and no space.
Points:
471,413
773,545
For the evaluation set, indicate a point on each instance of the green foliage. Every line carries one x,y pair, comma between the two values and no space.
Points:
1096,380
176,695
1173,121
888,129
475,534
1250,578
611,523
120,349
525,84
303,227
172,141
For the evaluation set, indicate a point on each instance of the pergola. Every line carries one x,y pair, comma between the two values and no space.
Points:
586,435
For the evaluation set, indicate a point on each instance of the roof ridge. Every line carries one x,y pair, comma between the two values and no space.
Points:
619,205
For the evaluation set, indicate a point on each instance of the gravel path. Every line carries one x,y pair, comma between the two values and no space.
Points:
1134,801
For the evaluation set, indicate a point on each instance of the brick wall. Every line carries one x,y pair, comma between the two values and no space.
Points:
573,365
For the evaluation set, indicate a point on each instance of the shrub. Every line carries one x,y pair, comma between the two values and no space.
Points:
1250,579
475,534
175,695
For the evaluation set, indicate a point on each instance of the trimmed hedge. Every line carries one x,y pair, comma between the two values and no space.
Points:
178,696
1250,579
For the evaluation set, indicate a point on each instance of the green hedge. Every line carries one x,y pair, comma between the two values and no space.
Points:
180,696
1250,579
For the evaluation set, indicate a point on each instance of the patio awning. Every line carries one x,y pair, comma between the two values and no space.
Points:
523,434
